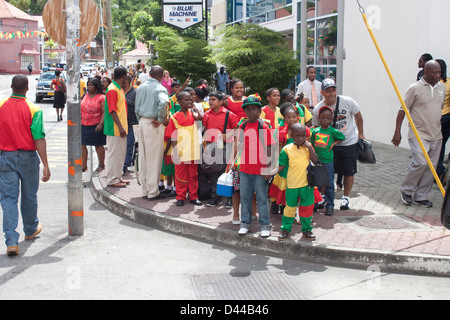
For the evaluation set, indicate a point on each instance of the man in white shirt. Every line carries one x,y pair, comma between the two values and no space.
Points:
349,121
143,76
311,87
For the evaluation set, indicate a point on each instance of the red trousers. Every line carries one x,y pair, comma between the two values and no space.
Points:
186,178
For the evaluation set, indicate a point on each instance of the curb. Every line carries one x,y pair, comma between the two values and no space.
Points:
371,260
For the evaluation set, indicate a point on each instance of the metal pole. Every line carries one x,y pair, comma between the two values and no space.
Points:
100,3
206,20
75,185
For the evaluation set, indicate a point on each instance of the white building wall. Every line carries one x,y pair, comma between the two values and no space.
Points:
405,29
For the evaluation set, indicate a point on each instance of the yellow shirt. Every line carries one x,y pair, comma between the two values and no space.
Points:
83,87
446,108
297,160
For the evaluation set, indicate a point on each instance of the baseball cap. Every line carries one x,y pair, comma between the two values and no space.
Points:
328,83
251,100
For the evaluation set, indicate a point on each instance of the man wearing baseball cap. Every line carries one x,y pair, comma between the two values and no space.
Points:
349,121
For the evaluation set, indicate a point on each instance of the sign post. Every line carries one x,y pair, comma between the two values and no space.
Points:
75,194
183,14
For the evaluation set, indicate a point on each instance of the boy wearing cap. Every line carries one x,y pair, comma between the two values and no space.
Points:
349,121
323,139
255,140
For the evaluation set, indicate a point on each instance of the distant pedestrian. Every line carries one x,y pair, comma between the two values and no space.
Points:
22,135
422,61
221,80
310,87
424,100
59,85
30,68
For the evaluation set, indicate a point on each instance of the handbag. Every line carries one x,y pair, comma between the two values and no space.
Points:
218,165
318,175
365,152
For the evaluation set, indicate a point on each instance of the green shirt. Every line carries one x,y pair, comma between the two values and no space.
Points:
322,139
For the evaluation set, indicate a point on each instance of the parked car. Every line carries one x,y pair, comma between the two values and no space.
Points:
44,88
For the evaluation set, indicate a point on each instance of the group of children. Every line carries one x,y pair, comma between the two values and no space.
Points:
269,150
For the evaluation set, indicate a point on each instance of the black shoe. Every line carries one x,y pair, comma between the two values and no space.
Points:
407,199
212,203
229,204
172,193
329,211
161,188
196,202
160,197
283,235
180,203
424,203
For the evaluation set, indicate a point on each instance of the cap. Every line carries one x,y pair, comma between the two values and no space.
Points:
328,83
251,100
325,108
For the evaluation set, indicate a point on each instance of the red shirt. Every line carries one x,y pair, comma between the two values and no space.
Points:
254,156
236,108
214,123
91,109
21,123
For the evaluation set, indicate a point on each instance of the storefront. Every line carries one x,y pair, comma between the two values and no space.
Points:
331,35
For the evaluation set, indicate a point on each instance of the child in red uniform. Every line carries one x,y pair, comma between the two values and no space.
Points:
214,122
183,131
271,112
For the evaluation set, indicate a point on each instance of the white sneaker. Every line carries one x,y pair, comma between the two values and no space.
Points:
265,233
243,231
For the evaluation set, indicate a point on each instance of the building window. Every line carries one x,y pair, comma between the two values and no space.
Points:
25,27
321,42
25,60
258,11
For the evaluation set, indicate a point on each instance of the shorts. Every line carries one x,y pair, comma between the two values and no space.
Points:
345,159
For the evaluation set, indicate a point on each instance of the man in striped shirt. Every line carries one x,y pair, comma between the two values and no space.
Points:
21,141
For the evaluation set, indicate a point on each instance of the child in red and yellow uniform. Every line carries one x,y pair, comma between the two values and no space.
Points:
183,132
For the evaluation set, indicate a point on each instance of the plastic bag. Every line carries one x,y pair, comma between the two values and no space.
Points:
365,153
318,175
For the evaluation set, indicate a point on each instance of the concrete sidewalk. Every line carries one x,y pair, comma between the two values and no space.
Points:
378,232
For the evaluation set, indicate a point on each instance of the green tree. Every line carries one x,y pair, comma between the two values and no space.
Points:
182,56
258,56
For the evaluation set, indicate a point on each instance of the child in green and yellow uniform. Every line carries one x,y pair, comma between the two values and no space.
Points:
296,157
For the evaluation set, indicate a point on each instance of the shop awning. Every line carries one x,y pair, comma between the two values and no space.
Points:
28,49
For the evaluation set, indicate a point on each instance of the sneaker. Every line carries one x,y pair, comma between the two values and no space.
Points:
196,202
38,230
229,204
424,203
407,199
12,251
243,231
321,204
344,204
283,235
265,233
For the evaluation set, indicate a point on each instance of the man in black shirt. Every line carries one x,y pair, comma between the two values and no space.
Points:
130,96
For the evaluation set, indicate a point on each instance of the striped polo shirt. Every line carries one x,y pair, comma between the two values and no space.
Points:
21,122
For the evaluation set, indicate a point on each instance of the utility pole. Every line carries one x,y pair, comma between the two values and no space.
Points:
75,183
109,33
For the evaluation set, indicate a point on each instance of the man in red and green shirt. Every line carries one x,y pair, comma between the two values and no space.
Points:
21,141
116,129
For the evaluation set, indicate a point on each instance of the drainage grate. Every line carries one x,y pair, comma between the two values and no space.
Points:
248,286
381,223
